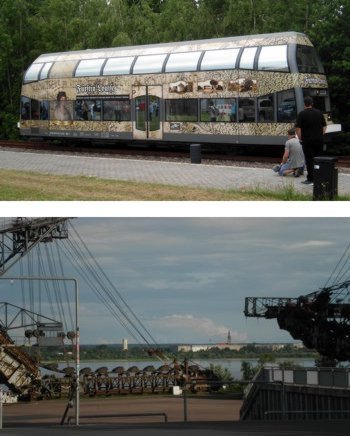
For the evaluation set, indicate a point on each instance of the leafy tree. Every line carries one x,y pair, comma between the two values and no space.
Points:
176,21
223,374
248,370
29,28
330,31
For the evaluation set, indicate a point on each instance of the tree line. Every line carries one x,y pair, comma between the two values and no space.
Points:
136,352
29,28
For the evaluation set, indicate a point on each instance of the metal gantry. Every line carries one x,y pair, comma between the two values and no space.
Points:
19,235
321,319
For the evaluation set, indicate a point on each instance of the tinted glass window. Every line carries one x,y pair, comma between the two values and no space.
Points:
118,66
153,110
181,110
219,59
62,69
265,108
182,62
33,72
246,110
91,67
34,109
218,110
286,106
307,60
116,109
61,110
319,97
247,59
25,108
273,58
44,110
149,64
88,110
45,71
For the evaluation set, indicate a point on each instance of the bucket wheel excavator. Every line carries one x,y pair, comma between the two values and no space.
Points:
321,319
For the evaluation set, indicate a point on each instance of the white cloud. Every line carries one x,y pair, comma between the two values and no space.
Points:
310,244
188,326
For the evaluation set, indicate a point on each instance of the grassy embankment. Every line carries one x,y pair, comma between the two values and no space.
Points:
28,186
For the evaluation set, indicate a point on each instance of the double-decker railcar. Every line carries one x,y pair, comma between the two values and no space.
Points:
235,90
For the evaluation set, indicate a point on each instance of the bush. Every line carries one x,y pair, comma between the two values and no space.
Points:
8,126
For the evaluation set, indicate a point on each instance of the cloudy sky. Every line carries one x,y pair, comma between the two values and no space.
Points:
187,278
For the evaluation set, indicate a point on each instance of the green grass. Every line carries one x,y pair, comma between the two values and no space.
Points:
28,186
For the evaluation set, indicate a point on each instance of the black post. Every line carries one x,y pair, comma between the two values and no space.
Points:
196,153
325,178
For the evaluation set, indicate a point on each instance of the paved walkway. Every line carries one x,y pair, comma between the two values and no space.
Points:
207,416
169,173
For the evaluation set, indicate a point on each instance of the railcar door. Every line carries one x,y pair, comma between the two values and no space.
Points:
147,112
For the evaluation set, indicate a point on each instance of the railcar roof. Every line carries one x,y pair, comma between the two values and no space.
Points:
178,47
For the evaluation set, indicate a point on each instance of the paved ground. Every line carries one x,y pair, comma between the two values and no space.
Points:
184,174
205,417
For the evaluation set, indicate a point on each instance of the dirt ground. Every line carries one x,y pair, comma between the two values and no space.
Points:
99,410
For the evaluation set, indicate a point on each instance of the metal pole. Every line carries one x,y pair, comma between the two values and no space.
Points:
77,341
77,355
185,390
1,408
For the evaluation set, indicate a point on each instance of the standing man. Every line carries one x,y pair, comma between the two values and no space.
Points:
310,128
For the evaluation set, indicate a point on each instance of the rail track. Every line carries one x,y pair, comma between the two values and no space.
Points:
175,153
140,152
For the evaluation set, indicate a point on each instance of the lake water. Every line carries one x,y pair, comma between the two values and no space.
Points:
233,365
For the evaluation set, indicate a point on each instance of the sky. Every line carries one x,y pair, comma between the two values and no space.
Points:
187,278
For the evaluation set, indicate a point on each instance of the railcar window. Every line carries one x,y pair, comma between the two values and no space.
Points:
44,73
218,110
286,106
219,59
246,110
90,67
308,60
319,97
33,72
44,110
154,119
116,110
181,110
182,62
115,66
266,108
25,108
273,57
247,58
61,110
34,109
149,64
88,110
62,69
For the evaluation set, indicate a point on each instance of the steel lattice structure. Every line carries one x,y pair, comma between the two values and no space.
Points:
321,319
20,235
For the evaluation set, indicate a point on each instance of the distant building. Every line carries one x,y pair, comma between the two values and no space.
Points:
237,347
200,347
125,344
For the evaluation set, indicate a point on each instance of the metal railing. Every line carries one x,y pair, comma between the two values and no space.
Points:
121,415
